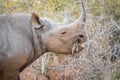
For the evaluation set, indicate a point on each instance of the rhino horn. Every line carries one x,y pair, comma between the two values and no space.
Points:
68,18
82,18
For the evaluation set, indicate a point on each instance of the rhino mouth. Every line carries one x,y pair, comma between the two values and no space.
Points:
77,46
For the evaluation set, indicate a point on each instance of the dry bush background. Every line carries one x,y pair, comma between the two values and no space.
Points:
98,61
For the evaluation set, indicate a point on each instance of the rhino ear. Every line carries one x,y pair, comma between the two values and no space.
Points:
35,20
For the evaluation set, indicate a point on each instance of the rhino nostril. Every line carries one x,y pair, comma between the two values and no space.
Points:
81,36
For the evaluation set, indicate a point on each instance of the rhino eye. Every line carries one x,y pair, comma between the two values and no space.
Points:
63,33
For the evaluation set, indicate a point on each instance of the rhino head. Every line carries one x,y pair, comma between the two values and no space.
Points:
61,38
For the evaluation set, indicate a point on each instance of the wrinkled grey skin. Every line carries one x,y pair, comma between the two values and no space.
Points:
25,37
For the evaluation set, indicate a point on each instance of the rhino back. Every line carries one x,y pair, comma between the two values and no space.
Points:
15,40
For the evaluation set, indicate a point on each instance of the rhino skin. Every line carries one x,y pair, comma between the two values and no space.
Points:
25,37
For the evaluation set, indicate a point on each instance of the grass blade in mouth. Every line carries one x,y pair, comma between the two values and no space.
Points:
75,47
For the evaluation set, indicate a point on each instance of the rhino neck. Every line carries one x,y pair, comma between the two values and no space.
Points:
38,45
